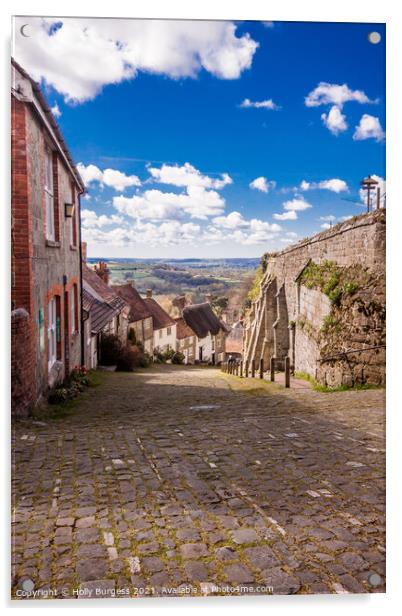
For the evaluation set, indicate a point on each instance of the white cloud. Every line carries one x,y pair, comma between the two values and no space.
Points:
329,218
55,110
298,204
334,185
290,215
89,218
114,237
255,237
235,221
109,177
262,184
157,205
89,173
267,104
343,218
118,180
187,175
83,55
291,234
369,127
167,234
326,225
335,94
170,232
257,226
335,120
232,228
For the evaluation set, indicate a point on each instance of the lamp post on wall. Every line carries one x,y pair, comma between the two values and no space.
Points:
68,210
369,184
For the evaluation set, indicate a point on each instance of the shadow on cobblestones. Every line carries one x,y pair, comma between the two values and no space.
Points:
146,486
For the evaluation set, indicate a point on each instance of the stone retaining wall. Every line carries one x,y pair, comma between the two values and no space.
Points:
293,324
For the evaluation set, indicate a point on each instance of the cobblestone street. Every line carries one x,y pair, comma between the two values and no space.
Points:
169,477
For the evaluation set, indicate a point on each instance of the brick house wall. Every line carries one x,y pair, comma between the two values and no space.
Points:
42,269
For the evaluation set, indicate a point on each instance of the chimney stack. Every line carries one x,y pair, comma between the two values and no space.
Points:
102,271
131,282
149,293
180,302
208,298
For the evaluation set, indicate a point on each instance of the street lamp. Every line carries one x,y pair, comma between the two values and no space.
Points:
368,184
68,210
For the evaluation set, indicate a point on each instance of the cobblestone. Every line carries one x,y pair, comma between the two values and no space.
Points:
301,520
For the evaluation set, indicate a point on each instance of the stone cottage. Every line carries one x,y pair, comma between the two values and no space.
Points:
210,331
140,316
104,312
164,326
45,260
186,340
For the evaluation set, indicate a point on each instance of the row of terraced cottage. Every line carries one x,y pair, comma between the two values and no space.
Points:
198,333
60,306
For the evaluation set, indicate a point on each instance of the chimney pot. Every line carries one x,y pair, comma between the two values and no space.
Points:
149,293
102,271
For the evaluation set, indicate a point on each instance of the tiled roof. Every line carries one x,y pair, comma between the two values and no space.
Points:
98,285
101,314
102,302
51,119
87,300
202,319
138,308
183,330
160,317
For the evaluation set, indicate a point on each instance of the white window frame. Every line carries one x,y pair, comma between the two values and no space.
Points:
52,332
49,195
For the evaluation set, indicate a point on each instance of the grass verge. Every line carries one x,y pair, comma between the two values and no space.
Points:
254,387
325,389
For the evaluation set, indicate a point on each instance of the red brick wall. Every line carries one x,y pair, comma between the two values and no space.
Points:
23,385
21,295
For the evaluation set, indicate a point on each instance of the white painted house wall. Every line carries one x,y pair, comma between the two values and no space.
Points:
207,345
165,337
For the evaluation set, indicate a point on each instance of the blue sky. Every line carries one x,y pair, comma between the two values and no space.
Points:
213,139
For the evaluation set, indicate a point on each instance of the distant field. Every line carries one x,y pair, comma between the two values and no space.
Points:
197,277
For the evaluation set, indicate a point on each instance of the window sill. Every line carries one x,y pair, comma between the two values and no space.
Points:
72,247
53,244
